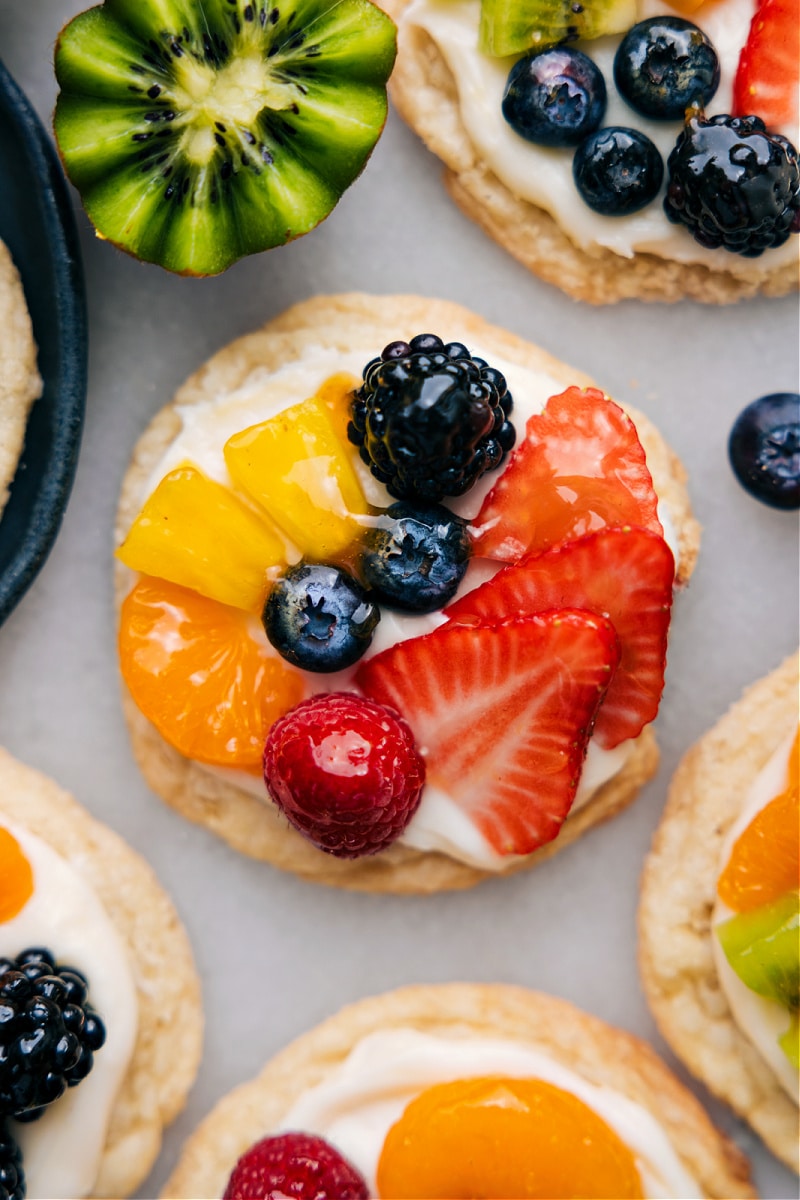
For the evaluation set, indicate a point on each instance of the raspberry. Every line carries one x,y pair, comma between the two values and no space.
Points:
345,772
297,1166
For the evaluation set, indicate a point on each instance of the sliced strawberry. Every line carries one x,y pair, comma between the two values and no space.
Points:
580,467
502,714
768,75
625,574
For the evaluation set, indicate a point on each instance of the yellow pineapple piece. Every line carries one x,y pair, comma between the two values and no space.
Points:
297,467
194,532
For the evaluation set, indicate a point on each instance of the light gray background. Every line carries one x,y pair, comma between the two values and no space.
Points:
276,955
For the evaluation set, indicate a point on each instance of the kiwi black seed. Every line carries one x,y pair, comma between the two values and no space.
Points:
199,131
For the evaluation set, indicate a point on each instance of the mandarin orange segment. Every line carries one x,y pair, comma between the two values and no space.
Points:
494,1136
196,671
197,533
765,860
297,468
16,877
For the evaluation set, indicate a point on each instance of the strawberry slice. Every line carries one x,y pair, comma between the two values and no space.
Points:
580,467
502,714
768,75
625,574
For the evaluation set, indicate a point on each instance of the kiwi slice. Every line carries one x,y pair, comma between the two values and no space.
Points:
514,26
763,947
199,131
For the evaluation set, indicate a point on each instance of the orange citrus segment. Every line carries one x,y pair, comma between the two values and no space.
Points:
765,860
16,877
195,532
195,671
515,1138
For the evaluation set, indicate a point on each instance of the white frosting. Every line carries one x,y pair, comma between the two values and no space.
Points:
357,1103
439,823
62,1150
762,1020
543,175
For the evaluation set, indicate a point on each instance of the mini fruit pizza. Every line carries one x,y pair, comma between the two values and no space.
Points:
382,1099
394,593
20,383
618,148
100,1017
719,918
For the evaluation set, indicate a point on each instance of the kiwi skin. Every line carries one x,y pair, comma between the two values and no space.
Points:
197,133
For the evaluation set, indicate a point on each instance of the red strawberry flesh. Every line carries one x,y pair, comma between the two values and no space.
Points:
766,81
294,1166
502,713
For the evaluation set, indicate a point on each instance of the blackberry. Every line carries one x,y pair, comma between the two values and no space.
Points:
12,1177
430,419
732,184
48,1032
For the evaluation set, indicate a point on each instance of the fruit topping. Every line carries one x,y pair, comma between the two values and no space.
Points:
48,1032
319,617
665,65
294,1166
510,28
617,170
579,468
623,574
762,947
764,449
734,185
554,97
415,557
198,133
16,877
504,713
526,1138
346,773
197,533
295,466
195,670
12,1176
430,419
768,73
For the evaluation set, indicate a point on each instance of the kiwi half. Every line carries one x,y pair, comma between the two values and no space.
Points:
199,131
514,26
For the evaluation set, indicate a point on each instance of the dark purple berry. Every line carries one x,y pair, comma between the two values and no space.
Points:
764,449
555,97
617,171
319,617
414,558
665,65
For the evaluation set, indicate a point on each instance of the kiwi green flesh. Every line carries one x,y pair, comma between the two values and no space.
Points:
789,1042
514,26
763,948
193,148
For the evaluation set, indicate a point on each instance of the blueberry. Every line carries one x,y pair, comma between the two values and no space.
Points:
415,558
555,97
318,617
617,170
764,449
664,65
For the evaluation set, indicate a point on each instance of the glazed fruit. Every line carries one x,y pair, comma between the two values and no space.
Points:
504,712
12,1175
196,672
345,772
624,574
733,185
526,1138
762,948
764,449
768,73
298,470
226,555
665,65
296,1166
415,557
580,467
555,97
49,1032
511,28
617,171
430,419
319,617
197,134
17,876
